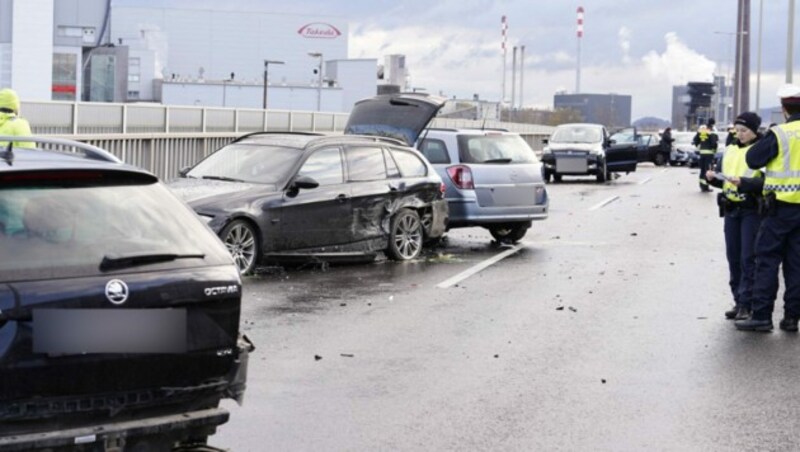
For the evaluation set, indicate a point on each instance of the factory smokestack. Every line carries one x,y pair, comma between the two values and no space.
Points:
580,36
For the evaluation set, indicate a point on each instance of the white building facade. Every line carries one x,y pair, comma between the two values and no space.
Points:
92,50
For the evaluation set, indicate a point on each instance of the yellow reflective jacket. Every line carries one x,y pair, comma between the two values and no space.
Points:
734,164
783,172
11,124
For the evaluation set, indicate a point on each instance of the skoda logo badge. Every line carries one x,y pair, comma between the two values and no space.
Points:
116,291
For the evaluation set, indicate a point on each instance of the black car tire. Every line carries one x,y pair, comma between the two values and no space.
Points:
405,236
241,239
660,159
602,173
509,233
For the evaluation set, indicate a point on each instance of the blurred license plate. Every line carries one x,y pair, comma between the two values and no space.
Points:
79,331
571,165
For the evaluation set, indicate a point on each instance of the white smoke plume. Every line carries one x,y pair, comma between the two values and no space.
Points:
679,64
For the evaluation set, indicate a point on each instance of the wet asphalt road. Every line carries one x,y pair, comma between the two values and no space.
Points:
604,332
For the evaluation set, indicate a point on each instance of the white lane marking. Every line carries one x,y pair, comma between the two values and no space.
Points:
604,203
478,268
645,181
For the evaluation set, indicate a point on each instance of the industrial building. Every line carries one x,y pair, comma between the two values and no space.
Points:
611,110
94,50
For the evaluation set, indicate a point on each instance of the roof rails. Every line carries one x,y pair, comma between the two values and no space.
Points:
58,144
253,134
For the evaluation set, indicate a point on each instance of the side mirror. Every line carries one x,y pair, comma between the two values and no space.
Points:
546,141
611,142
303,183
184,171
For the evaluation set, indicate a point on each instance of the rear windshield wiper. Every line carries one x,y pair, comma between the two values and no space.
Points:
117,261
498,161
227,179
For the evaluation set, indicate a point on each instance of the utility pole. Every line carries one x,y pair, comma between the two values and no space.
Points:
266,77
742,92
504,32
758,65
513,77
521,74
790,43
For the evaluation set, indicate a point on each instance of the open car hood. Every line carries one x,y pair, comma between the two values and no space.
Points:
399,116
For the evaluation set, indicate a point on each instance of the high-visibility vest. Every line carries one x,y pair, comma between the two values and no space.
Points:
12,125
735,164
783,172
705,136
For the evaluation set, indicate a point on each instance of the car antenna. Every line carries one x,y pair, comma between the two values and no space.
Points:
8,156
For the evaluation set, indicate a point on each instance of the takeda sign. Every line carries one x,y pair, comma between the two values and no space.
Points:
319,30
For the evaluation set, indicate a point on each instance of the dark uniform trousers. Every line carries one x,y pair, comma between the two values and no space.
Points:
741,228
778,241
706,163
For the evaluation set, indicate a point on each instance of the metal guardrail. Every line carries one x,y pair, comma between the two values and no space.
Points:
165,138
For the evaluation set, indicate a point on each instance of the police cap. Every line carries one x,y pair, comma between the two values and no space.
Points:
789,94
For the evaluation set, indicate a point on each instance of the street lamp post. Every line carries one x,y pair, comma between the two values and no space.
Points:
266,77
319,83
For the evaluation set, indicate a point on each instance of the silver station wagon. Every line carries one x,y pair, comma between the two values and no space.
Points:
493,178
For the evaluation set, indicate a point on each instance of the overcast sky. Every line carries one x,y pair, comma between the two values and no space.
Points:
629,46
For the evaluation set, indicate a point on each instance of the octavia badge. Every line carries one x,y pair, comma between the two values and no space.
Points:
116,291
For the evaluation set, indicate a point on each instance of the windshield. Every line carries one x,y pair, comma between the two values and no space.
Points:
56,232
252,163
577,134
494,149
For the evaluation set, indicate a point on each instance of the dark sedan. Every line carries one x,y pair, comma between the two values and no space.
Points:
286,196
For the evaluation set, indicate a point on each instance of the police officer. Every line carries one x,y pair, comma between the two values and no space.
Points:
10,122
706,140
778,240
738,204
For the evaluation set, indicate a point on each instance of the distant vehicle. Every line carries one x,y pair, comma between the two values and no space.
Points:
119,309
683,151
586,149
647,145
285,196
493,178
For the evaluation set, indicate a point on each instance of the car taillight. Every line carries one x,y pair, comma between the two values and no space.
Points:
461,176
442,188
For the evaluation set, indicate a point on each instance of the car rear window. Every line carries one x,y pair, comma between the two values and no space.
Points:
56,229
491,148
434,150
410,164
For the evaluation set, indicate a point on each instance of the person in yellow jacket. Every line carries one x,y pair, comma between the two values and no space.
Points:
738,203
778,241
11,124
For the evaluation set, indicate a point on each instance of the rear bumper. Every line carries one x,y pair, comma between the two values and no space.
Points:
171,428
467,212
551,166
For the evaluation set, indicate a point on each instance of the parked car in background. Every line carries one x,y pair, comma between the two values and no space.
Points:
119,309
585,149
647,145
683,151
493,178
282,196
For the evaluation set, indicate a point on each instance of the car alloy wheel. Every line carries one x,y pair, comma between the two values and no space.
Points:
405,238
241,240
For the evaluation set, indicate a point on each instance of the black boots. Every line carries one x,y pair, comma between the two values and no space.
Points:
788,324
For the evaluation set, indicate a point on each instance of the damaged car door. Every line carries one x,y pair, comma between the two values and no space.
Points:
317,218
372,192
